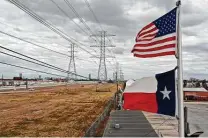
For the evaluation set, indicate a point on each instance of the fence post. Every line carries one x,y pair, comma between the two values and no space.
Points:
186,121
26,83
92,130
115,100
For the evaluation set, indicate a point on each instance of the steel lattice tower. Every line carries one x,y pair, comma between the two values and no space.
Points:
102,70
72,65
121,75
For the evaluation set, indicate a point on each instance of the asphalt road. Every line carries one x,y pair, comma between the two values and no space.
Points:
198,116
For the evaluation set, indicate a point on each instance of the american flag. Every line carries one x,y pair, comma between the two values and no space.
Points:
157,38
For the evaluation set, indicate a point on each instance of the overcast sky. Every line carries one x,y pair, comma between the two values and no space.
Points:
124,18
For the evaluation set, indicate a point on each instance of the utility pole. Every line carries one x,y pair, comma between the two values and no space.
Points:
114,76
102,70
117,72
117,81
72,65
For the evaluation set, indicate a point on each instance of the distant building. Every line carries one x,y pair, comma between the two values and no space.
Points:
17,78
195,94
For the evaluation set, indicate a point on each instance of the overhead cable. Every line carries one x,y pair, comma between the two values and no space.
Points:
63,54
41,62
47,24
31,69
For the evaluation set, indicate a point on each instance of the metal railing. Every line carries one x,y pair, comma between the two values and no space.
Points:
92,130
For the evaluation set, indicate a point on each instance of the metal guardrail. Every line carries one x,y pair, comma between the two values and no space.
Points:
92,130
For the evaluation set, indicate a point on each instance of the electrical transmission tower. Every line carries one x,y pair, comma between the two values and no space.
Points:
121,75
102,70
114,76
72,65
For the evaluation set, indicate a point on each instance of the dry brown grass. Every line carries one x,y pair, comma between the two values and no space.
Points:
53,111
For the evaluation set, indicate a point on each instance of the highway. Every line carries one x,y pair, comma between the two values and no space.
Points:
13,89
31,86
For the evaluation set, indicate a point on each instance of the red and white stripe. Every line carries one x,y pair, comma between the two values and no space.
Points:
147,45
141,95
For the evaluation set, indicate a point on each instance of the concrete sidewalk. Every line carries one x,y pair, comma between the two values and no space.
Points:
166,126
131,124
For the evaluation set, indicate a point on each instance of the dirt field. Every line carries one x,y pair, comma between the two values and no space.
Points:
55,111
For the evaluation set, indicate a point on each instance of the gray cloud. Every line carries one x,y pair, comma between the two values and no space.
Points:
118,50
193,19
120,17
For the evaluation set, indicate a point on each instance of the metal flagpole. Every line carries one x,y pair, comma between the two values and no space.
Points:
180,73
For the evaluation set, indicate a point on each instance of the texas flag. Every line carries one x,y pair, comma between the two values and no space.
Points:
153,94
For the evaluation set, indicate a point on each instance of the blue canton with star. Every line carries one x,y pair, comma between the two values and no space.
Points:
166,94
166,24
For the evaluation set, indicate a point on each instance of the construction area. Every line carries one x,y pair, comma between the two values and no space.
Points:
86,110
53,111
98,68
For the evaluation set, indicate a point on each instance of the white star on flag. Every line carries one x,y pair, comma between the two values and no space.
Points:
166,93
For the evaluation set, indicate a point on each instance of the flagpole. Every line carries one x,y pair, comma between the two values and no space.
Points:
180,73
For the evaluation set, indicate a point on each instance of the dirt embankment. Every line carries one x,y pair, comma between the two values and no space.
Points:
57,111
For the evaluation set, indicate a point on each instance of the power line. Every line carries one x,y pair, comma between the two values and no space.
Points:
87,60
88,5
9,25
68,16
16,28
81,20
41,20
82,60
72,8
30,69
40,61
47,24
30,61
96,19
102,70
93,72
37,45
40,46
33,43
